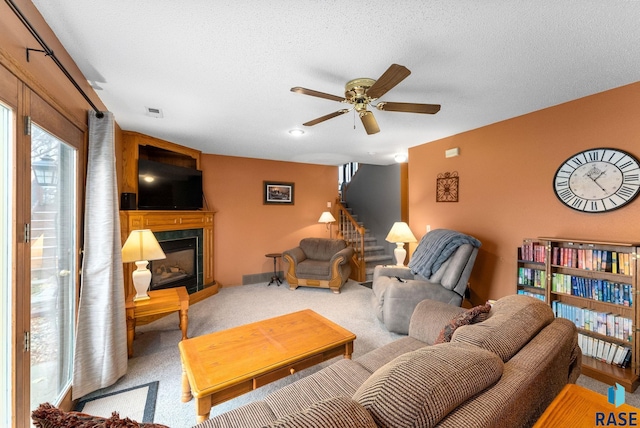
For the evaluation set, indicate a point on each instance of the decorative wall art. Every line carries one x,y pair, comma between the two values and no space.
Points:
277,193
447,187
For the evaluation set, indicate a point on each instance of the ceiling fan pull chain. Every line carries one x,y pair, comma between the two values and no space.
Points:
354,119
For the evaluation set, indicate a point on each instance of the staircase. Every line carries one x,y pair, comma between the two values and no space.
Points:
368,253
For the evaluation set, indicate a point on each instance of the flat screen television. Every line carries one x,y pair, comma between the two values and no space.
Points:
163,186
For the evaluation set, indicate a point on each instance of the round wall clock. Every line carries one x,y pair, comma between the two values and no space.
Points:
598,180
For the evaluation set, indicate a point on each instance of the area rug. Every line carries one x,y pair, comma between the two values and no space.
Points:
137,403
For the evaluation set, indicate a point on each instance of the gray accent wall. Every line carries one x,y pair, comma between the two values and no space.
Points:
374,196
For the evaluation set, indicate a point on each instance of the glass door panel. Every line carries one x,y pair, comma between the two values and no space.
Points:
6,221
53,265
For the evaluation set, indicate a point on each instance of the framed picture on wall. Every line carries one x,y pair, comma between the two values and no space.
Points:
278,193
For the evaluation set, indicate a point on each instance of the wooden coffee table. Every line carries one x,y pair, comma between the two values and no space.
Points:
223,365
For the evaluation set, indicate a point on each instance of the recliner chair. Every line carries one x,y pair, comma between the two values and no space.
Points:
397,290
318,262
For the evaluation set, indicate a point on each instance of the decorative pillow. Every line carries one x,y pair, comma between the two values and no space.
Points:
336,412
48,416
470,316
421,387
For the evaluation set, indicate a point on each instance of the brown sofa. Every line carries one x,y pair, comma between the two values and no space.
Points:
319,262
498,369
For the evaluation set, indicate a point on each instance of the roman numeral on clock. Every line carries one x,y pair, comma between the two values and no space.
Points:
578,203
625,192
565,194
632,178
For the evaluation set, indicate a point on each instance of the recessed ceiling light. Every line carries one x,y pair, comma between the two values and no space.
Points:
400,158
296,132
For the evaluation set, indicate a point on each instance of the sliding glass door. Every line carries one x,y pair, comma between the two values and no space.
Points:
6,228
53,233
42,161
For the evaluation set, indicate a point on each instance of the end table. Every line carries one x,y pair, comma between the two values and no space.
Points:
275,278
159,302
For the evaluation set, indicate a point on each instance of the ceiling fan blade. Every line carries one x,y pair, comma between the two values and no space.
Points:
313,93
390,78
370,123
326,117
409,107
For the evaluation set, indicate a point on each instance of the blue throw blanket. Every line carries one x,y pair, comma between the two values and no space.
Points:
435,248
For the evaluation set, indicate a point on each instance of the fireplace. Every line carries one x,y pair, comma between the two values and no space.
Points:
180,268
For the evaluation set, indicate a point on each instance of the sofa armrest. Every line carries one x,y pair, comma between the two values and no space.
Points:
295,255
429,318
392,271
342,256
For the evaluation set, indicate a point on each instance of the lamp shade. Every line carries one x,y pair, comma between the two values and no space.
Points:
400,232
326,217
141,245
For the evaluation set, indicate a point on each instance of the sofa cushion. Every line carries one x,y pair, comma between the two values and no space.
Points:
378,357
254,414
321,248
311,268
513,321
342,378
336,412
470,316
449,275
421,387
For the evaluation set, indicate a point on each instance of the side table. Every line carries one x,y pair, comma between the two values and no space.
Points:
159,302
576,406
275,277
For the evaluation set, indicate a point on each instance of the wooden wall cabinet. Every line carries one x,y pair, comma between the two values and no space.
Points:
133,142
594,284
135,146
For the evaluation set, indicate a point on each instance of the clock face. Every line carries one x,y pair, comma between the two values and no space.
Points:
598,180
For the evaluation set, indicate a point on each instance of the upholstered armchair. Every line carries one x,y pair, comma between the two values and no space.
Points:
318,262
439,270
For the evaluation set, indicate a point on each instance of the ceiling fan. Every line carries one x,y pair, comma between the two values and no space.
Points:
363,91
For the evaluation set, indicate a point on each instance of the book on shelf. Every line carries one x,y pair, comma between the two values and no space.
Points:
612,352
604,323
607,352
588,259
592,288
533,251
528,293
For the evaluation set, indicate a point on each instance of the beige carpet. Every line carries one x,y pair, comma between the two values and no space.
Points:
156,356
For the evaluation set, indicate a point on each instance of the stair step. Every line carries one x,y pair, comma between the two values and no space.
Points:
377,259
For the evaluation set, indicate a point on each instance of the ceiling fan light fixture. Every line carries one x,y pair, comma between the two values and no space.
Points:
400,157
363,91
296,132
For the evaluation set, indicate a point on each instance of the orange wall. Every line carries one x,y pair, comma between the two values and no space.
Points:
506,172
245,229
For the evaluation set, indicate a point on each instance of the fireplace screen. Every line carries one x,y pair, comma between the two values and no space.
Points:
180,266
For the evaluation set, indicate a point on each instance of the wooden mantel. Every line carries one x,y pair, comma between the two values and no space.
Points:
162,221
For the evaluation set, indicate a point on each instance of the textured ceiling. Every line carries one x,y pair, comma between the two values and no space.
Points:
221,71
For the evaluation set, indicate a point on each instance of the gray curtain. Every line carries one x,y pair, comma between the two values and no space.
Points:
100,357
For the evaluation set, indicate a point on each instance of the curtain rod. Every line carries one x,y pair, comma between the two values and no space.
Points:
48,52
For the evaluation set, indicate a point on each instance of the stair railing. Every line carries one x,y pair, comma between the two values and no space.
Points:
353,233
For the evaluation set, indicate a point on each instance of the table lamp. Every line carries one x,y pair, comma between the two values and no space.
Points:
399,234
327,218
140,247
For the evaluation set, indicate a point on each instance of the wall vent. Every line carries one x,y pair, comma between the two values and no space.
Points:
154,112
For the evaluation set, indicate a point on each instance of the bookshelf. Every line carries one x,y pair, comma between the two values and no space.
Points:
594,284
532,269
